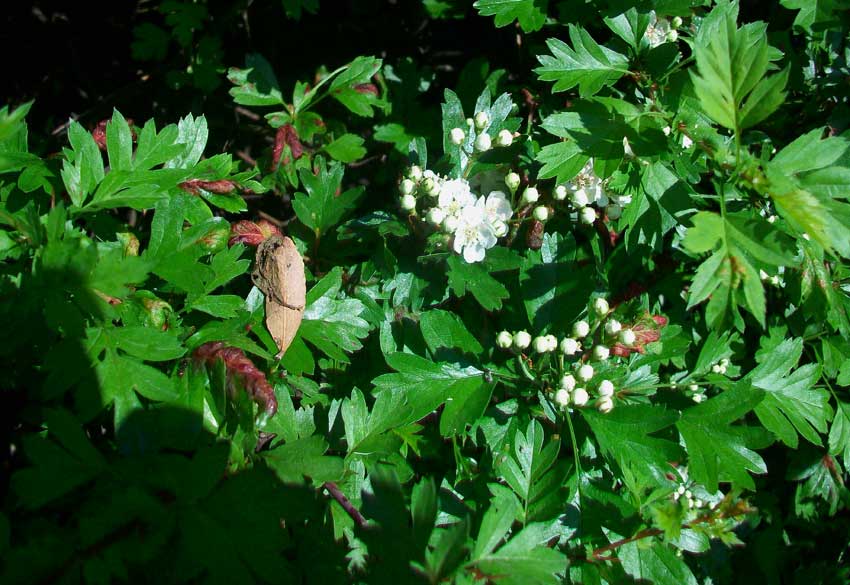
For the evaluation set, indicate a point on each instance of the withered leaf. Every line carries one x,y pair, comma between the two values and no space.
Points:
279,273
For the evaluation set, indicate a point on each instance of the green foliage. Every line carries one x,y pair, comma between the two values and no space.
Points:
522,356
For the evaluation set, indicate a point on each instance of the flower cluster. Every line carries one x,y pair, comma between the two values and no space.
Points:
661,30
587,194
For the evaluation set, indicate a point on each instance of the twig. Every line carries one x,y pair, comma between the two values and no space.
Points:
247,113
346,504
246,157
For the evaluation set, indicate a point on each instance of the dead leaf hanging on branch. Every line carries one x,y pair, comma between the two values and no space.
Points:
279,273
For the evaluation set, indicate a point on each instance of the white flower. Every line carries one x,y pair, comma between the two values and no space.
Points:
474,234
570,346
530,195
568,382
512,181
408,202
613,211
504,137
455,195
627,336
612,327
581,329
560,193
450,224
436,216
541,213
606,388
500,228
600,306
586,187
504,339
497,207
666,130
483,142
580,397
656,32
601,352
522,339
562,397
457,136
585,372
686,141
605,405
587,215
481,120
627,148
407,187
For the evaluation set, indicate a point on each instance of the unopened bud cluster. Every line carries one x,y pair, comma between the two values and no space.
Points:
482,141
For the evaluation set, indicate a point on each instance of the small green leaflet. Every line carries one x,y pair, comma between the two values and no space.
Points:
525,559
815,15
732,63
474,278
717,449
321,208
588,65
533,472
531,14
805,181
418,387
738,242
256,85
791,404
624,436
347,148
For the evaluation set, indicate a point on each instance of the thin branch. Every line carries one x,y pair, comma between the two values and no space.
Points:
346,504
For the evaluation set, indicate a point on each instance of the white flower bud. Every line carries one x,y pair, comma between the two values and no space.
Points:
522,339
585,372
600,306
672,36
570,346
580,329
627,148
568,382
693,387
666,130
504,339
605,405
771,218
469,122
580,198
450,224
601,352
481,120
431,187
552,342
587,215
530,195
612,327
540,344
414,173
562,397
457,136
504,138
687,142
541,213
407,187
627,336
407,202
716,368
680,490
482,142
580,397
436,216
614,211
560,193
500,228
512,181
688,494
676,22
698,398
606,388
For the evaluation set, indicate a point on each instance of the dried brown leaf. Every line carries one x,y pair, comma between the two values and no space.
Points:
279,273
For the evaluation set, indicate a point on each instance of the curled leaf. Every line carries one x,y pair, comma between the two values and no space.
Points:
279,273
242,370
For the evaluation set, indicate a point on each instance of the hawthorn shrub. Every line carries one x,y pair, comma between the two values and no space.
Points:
584,321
